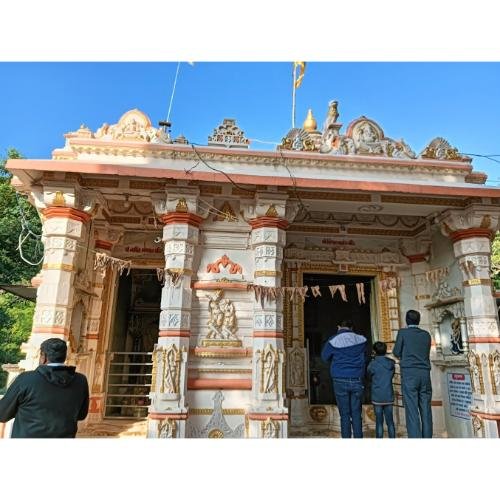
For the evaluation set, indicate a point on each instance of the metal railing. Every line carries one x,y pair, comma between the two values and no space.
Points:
128,384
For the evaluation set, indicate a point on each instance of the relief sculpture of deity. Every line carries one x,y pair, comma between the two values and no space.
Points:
456,337
269,362
171,367
221,324
297,368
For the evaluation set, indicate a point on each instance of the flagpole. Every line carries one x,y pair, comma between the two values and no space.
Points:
173,91
294,67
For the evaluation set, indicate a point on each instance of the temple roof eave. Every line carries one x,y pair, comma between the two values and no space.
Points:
120,151
30,172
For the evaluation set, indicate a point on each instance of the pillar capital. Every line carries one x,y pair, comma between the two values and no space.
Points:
181,205
270,207
416,250
106,236
60,194
476,221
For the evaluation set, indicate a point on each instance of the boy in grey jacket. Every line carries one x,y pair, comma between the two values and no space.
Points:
381,372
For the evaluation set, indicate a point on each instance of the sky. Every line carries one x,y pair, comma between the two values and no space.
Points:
459,101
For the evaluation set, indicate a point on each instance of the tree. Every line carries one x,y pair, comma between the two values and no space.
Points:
17,216
15,210
495,261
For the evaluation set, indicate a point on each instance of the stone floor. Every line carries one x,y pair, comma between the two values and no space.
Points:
114,429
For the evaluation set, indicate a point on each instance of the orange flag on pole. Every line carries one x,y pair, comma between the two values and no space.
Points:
302,69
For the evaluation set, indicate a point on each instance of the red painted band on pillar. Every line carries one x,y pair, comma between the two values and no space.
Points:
473,232
175,333
220,383
181,218
484,340
66,213
269,335
265,416
170,416
419,257
104,245
269,222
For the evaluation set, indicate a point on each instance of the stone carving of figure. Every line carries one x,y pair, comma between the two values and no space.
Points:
367,134
98,373
269,371
456,337
171,368
401,150
474,372
166,428
368,141
297,368
104,130
297,143
269,429
347,146
216,318
327,139
229,319
332,116
495,370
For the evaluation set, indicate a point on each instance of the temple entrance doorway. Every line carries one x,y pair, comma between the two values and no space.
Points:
323,314
134,334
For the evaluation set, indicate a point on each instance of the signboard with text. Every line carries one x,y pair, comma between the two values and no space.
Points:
459,394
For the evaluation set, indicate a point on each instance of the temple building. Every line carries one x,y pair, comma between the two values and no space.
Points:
196,285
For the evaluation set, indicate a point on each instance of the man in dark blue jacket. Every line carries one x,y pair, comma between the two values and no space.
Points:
381,372
346,351
412,347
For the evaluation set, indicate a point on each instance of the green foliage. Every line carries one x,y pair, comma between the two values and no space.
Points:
495,261
12,268
16,314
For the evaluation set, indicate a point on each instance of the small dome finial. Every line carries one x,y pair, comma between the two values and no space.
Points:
310,124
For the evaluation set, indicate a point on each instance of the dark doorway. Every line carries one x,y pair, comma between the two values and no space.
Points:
135,331
321,318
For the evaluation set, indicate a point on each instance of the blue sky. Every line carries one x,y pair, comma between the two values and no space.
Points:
39,102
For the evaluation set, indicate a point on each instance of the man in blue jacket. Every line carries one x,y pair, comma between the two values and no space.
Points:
346,351
412,347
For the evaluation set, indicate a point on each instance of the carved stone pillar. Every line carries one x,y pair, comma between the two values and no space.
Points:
168,411
417,251
268,416
105,237
471,232
64,221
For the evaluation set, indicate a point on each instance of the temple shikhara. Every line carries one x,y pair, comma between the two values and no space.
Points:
196,285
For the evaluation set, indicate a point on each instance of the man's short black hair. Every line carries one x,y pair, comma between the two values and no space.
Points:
346,323
380,348
412,317
55,350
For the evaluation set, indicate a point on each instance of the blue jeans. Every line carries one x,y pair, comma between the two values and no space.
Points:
349,396
384,412
417,395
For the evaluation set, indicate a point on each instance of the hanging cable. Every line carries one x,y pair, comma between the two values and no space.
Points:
219,171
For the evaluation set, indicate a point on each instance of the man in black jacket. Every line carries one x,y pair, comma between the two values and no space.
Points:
49,401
